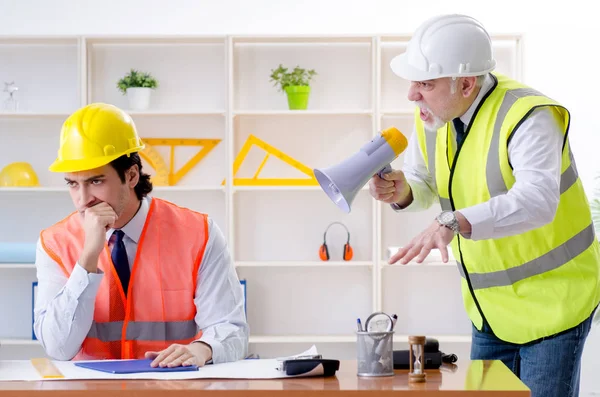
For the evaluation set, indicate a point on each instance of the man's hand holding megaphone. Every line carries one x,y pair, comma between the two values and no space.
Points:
392,188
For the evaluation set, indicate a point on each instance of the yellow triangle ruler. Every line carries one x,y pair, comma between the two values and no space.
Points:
46,368
161,177
271,151
168,175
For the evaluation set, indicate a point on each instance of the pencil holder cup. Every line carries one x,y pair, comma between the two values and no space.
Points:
375,353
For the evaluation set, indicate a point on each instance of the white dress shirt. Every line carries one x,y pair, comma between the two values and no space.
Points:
65,305
595,204
595,209
535,153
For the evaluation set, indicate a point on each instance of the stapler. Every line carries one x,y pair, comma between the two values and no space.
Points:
309,365
433,357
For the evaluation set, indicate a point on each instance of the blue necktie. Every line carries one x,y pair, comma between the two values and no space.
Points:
119,258
459,126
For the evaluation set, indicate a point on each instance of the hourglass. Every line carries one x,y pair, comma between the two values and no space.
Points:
416,360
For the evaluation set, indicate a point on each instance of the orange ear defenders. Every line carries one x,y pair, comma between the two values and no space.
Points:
324,250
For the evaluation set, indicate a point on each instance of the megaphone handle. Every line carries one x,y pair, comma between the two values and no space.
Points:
384,170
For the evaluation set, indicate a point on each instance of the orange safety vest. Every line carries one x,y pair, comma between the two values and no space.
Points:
159,309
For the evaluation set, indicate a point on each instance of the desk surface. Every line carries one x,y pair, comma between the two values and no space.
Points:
483,378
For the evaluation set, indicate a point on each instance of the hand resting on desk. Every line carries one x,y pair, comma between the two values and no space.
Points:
196,353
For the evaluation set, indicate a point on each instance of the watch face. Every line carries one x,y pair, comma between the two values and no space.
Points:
446,217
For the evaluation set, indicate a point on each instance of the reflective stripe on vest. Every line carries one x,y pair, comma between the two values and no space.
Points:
496,184
431,147
545,263
144,330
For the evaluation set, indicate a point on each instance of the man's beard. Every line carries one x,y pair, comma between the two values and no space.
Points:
434,121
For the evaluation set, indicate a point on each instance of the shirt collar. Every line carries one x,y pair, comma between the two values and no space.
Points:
488,83
133,228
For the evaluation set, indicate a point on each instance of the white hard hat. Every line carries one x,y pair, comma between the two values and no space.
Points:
446,46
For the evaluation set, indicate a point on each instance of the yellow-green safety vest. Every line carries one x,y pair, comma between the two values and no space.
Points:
534,284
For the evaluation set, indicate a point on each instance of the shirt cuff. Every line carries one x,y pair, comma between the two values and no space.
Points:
481,219
414,204
83,285
218,351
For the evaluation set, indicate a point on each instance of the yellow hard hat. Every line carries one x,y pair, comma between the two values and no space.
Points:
18,174
94,136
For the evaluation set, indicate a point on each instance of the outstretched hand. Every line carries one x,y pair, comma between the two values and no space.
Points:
435,236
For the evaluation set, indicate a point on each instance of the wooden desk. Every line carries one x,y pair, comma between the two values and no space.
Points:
480,378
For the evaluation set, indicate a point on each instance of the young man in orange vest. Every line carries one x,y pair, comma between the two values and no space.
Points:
127,275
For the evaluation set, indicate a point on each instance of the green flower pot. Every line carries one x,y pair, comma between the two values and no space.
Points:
297,96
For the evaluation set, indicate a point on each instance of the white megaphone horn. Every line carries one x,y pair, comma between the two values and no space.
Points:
343,181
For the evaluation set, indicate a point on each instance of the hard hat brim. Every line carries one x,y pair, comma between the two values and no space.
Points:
401,68
84,164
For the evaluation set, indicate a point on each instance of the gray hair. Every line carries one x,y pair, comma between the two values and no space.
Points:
454,83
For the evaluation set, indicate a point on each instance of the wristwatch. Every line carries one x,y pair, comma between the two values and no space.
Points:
448,219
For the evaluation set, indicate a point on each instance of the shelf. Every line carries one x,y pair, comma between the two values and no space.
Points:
46,40
391,40
451,263
334,112
431,260
387,41
290,40
283,188
17,266
33,114
347,338
143,40
305,264
175,113
190,188
41,189
54,189
275,188
303,339
440,338
20,342
397,113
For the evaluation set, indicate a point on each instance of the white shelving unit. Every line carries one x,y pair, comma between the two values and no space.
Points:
219,88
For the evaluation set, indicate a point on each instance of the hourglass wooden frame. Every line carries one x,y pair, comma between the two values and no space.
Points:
419,376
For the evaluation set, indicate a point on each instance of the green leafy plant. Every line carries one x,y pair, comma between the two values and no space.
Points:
136,78
284,78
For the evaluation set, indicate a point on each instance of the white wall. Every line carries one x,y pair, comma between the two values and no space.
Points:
560,42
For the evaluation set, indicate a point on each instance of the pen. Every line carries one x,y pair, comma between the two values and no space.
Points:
358,325
394,319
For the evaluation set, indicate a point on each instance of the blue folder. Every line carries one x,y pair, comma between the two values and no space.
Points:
130,366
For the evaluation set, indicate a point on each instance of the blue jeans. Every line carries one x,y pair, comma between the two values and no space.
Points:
550,367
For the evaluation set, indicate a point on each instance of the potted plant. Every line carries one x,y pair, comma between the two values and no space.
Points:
138,87
296,85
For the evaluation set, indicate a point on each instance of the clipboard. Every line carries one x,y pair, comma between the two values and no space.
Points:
130,366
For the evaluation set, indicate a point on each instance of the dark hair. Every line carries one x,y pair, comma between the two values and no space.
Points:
123,163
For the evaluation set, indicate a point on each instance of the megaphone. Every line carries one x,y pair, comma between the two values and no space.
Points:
343,181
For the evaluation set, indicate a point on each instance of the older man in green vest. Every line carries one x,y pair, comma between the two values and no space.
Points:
496,155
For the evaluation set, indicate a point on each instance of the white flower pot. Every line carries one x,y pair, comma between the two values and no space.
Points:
139,98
